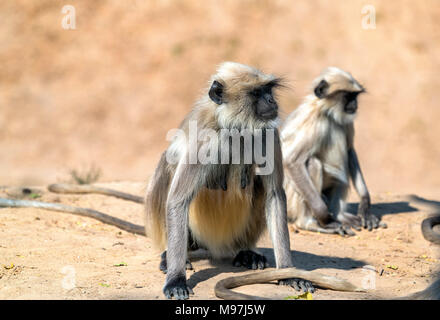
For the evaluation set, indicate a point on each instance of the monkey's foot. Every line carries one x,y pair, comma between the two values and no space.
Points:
335,228
332,227
250,260
349,220
298,284
163,263
370,222
177,288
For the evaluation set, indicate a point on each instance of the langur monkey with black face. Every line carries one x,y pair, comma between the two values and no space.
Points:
221,207
319,158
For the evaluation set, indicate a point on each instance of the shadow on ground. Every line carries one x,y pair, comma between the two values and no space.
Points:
381,209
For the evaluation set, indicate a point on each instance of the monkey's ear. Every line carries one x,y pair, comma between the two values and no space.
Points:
321,89
216,92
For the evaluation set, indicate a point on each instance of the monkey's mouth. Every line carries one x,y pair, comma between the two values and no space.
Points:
350,110
270,115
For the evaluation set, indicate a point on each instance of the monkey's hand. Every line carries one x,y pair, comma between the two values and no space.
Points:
177,288
369,220
298,284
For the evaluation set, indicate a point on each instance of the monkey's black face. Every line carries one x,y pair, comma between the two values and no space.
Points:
264,104
260,99
350,102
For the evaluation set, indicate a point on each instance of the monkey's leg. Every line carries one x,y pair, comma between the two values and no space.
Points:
177,227
192,246
281,243
276,219
305,219
369,220
187,181
163,263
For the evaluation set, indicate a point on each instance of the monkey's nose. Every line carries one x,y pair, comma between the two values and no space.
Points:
269,99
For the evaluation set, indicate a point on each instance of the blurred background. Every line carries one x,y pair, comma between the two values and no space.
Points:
104,95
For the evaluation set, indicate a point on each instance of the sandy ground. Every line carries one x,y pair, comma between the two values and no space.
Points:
107,93
51,255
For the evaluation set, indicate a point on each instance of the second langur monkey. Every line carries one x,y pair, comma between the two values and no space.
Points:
319,158
221,207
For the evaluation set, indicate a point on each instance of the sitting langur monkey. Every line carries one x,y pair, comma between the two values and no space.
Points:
319,158
221,207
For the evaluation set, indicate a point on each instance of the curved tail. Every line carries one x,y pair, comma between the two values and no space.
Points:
223,287
85,212
428,229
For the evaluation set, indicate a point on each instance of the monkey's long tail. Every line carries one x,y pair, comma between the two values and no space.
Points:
428,231
223,287
429,223
86,188
430,293
124,225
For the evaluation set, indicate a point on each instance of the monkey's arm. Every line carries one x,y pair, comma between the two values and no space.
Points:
276,216
358,181
298,172
184,186
275,207
369,220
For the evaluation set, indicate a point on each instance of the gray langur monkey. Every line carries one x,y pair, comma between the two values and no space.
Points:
319,158
221,207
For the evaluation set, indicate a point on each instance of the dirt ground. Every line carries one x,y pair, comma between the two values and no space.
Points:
107,93
51,255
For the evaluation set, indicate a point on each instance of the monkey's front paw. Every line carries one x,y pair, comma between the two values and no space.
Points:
250,260
298,284
177,288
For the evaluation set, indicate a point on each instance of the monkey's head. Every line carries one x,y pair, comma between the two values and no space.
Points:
337,92
244,97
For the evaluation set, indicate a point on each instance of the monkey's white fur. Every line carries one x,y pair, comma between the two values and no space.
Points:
319,129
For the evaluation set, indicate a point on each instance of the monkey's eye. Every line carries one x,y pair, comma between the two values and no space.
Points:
351,96
257,93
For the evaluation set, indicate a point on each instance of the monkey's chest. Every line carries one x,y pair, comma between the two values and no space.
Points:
218,219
